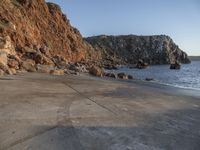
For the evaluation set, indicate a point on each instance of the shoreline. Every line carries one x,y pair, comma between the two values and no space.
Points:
159,77
164,87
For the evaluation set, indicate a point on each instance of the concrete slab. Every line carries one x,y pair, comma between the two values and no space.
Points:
42,112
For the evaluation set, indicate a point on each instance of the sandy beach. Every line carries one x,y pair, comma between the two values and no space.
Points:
43,112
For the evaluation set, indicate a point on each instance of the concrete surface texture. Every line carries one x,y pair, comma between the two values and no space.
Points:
42,112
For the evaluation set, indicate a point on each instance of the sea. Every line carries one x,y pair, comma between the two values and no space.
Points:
187,77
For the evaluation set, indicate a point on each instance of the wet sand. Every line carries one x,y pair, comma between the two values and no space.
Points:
43,112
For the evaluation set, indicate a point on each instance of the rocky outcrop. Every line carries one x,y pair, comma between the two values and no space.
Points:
33,30
129,49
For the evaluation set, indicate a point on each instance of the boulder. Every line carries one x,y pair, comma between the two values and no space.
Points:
12,63
122,76
39,58
60,61
29,65
3,58
48,61
130,77
57,72
7,46
141,64
12,71
111,75
96,71
78,67
176,65
149,79
28,49
4,67
44,68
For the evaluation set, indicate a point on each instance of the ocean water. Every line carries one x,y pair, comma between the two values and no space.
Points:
187,77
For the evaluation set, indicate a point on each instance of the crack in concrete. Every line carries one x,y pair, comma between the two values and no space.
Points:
81,94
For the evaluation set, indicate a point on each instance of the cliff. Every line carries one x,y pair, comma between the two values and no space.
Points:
129,49
29,28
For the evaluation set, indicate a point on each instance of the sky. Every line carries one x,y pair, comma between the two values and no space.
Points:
180,19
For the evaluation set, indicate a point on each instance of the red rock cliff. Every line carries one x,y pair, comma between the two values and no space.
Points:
36,25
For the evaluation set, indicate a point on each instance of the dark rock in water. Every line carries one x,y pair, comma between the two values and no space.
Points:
111,75
122,76
141,64
176,66
110,67
130,77
149,79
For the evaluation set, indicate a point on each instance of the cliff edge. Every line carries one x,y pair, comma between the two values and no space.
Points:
129,49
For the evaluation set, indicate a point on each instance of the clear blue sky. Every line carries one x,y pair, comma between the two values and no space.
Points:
179,19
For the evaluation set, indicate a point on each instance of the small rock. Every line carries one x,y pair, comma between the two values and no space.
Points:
149,79
57,72
122,76
111,75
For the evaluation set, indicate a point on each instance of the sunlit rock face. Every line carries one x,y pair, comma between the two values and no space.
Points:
37,25
159,49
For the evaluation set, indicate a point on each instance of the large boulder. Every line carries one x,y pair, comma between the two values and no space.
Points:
29,65
96,71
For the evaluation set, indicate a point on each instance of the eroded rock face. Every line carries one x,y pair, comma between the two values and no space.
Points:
37,25
129,49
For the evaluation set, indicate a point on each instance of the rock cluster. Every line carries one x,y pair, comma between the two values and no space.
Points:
37,36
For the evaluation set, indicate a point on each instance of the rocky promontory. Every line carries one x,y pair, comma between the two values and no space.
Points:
129,49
